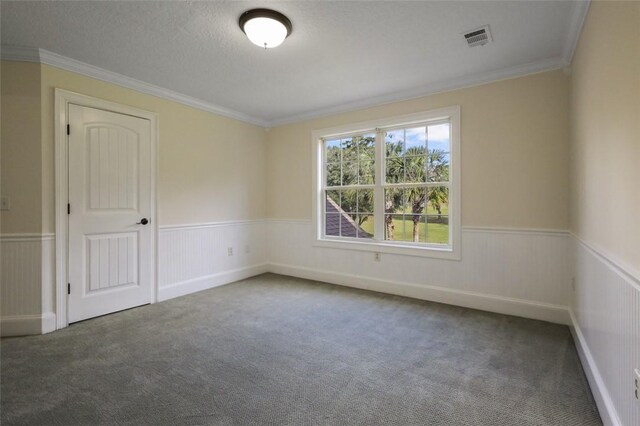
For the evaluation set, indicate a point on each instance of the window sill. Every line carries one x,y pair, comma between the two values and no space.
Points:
435,252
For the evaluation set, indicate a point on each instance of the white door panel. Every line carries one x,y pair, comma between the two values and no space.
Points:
109,194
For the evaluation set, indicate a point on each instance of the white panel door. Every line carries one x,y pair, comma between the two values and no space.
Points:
110,201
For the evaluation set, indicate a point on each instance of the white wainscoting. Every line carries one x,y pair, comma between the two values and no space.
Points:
518,272
195,257
515,272
191,258
605,311
28,270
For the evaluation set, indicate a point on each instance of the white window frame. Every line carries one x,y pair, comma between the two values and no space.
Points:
451,251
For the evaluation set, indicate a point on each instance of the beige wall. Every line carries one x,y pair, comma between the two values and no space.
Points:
514,154
605,123
211,168
514,146
21,165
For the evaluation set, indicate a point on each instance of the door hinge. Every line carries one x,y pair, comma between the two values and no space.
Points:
68,208
68,288
68,129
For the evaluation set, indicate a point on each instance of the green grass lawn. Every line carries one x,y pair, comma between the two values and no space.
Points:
430,210
436,233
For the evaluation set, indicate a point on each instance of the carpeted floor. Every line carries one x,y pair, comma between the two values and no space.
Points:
274,350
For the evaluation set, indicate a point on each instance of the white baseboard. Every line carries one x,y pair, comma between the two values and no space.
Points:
48,322
209,281
502,305
599,390
23,325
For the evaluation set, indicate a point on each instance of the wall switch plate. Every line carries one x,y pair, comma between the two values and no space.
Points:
376,257
4,203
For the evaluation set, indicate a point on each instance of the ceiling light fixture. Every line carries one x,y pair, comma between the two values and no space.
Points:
265,27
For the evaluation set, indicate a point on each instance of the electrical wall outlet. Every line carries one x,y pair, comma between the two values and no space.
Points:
636,381
376,257
230,251
4,203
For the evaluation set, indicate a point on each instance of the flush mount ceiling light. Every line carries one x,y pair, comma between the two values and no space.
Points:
265,27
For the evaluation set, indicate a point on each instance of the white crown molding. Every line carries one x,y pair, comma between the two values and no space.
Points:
29,54
579,12
19,53
430,89
26,54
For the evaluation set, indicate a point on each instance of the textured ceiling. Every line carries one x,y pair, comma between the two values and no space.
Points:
340,54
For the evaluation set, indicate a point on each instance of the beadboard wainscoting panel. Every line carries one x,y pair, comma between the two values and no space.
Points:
196,257
516,272
48,284
605,309
28,270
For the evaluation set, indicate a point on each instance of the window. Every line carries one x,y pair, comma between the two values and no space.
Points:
350,182
391,185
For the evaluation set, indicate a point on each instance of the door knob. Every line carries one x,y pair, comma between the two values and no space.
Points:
143,221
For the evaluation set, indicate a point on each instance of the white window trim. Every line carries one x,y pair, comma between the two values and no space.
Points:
453,251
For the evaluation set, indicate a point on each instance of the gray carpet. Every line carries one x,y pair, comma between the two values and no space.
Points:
274,350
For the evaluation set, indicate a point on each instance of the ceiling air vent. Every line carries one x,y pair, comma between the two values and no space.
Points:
478,37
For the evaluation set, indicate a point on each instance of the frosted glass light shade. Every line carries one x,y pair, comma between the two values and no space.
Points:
265,32
265,28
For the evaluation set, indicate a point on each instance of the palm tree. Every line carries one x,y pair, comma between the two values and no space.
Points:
416,171
412,166
417,167
365,204
394,174
438,171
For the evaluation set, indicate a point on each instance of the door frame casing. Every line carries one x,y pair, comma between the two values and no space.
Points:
61,170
